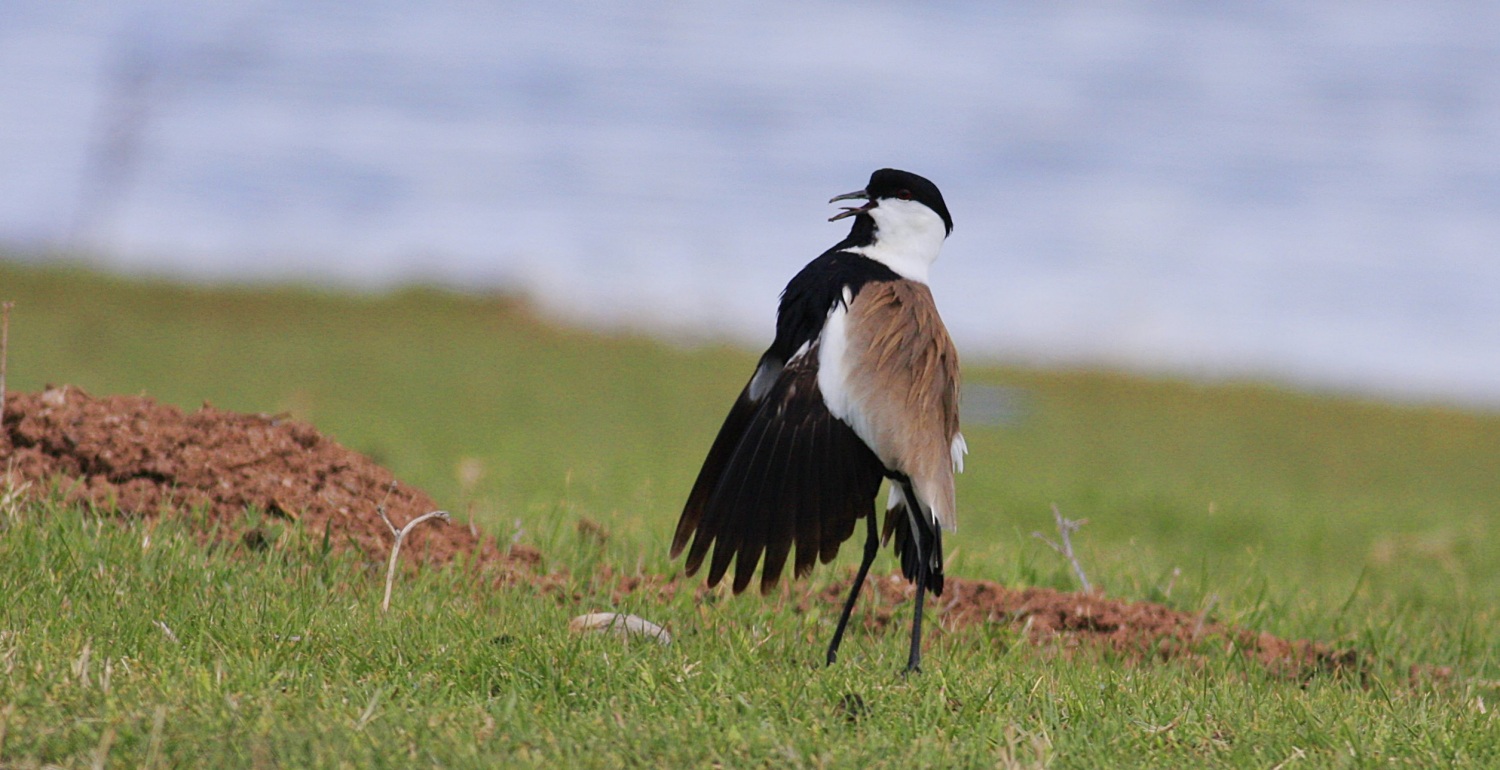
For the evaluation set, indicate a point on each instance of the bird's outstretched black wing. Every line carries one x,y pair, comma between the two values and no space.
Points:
782,471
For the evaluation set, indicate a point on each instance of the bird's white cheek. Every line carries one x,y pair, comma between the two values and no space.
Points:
908,238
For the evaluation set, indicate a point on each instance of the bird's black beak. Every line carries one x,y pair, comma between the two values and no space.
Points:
850,211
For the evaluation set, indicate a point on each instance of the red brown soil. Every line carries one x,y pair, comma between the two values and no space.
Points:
1137,630
134,456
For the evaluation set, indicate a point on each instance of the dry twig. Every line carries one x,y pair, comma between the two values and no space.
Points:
390,573
1066,528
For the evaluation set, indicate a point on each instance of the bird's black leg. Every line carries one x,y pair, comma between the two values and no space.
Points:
914,660
872,546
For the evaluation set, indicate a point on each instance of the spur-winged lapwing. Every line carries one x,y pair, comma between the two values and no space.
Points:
860,385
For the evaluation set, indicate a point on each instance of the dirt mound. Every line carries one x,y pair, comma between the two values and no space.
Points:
1135,629
142,458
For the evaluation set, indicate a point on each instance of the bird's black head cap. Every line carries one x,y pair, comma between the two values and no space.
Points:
894,183
890,184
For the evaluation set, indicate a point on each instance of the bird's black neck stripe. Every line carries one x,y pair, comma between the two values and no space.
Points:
862,233
816,288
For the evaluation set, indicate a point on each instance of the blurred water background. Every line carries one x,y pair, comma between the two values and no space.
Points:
1299,191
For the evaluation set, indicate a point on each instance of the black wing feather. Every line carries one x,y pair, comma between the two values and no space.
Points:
728,439
783,516
757,504
728,507
808,517
796,475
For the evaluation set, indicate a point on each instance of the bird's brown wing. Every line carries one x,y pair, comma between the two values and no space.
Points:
902,386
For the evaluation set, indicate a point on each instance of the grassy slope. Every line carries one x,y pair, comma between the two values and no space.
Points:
1303,516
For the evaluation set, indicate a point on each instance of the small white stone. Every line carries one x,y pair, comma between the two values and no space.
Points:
55,396
621,624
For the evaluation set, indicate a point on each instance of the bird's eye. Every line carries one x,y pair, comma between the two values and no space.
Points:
904,194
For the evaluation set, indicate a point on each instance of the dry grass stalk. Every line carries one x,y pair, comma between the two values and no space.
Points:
1066,528
390,573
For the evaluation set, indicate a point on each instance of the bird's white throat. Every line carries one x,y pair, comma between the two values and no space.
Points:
908,236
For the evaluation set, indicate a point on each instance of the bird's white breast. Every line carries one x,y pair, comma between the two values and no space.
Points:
833,370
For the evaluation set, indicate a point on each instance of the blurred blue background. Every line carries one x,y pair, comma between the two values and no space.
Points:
1302,191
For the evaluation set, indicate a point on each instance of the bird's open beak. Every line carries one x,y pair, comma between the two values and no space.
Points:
850,211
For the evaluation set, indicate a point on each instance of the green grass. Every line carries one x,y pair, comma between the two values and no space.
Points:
1366,525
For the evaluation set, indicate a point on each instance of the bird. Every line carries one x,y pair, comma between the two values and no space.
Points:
860,385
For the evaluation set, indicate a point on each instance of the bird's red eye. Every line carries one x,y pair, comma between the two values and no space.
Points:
904,194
